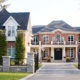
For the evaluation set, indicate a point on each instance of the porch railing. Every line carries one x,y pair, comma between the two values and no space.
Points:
55,43
35,43
18,62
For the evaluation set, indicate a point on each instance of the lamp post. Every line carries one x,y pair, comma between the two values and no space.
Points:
36,61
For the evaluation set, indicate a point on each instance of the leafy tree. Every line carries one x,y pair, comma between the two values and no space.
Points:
2,5
20,48
3,45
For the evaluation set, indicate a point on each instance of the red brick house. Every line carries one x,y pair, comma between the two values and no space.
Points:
11,24
57,40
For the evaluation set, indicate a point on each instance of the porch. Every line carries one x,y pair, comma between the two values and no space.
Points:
55,53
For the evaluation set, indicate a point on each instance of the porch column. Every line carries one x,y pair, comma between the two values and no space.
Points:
63,54
76,53
52,54
40,51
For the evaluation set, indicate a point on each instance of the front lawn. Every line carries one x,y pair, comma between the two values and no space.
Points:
76,65
12,76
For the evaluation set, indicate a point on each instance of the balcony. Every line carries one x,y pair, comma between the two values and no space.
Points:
55,43
35,43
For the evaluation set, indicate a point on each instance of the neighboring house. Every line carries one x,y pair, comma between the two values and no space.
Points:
57,40
11,24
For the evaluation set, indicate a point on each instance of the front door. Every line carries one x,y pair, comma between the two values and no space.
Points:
58,53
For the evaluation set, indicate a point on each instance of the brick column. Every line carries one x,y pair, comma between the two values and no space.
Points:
6,63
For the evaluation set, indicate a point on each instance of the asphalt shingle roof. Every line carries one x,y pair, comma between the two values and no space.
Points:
21,18
60,24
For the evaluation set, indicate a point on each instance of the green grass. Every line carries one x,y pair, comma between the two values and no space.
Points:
12,76
40,65
76,65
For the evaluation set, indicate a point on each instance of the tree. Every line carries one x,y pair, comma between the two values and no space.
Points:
20,48
3,45
1,4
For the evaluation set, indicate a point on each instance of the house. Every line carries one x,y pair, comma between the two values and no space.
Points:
11,24
56,40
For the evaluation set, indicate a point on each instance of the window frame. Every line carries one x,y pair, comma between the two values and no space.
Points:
70,52
70,38
44,38
11,29
11,52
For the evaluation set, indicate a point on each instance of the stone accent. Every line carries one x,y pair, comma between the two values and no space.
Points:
18,69
6,63
30,62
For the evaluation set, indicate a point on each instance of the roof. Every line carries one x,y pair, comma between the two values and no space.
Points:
21,18
37,28
59,24
77,28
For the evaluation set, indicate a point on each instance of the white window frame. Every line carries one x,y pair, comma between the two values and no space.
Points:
70,52
35,39
70,38
56,37
11,29
46,40
11,53
46,51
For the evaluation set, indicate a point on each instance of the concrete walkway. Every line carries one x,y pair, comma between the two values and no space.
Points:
62,71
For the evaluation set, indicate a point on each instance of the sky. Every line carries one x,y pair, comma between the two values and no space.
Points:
45,11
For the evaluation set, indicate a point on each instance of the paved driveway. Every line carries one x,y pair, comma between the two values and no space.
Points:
56,72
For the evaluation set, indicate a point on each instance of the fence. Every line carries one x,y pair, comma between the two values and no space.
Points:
1,61
18,62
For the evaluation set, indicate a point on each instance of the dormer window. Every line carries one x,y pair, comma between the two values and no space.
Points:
11,31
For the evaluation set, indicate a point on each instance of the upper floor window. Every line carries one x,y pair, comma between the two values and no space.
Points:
78,39
11,31
58,38
35,39
70,38
45,38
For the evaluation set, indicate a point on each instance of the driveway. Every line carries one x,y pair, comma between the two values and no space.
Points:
56,72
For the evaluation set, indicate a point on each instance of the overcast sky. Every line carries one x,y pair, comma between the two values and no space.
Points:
45,11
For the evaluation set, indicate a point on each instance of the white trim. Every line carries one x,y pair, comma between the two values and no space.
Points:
12,19
60,31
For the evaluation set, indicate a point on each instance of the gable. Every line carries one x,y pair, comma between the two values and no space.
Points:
11,21
21,18
58,30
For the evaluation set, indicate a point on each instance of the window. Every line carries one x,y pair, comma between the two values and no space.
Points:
11,31
62,39
35,39
11,52
58,38
71,52
70,38
45,54
53,39
45,38
78,39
